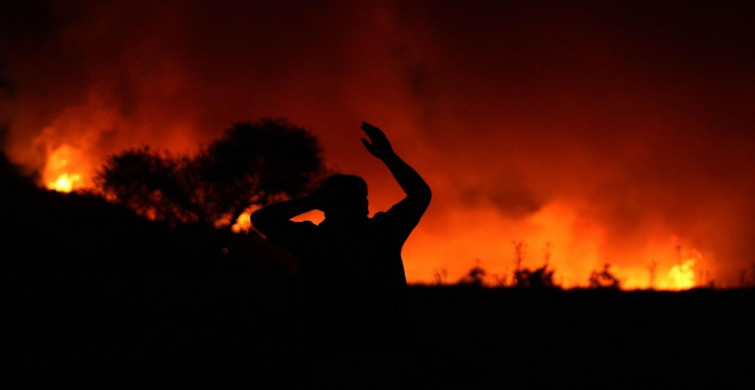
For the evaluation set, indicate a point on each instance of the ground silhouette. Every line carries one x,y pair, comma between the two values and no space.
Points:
93,294
80,232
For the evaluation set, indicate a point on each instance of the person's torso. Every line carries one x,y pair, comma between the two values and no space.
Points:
364,255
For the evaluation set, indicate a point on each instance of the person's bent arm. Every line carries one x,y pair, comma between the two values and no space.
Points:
271,217
411,182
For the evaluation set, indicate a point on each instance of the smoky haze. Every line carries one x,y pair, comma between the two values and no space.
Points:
615,132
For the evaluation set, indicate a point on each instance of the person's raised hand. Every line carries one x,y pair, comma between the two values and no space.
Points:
378,144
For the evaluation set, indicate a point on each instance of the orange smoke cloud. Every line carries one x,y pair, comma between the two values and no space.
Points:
613,133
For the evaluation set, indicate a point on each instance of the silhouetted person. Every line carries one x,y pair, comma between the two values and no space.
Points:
352,265
350,253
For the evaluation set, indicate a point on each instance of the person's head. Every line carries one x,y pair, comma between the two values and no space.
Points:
343,197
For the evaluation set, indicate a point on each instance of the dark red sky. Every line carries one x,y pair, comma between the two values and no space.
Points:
615,131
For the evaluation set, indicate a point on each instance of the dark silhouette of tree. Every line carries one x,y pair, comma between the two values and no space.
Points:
252,163
256,163
156,185
604,279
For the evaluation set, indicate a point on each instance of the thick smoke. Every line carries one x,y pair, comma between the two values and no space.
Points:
615,131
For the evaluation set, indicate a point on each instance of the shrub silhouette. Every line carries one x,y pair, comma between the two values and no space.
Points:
253,163
474,277
440,275
539,278
524,277
604,279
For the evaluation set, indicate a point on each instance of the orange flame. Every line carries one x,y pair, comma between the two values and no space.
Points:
683,275
63,171
65,183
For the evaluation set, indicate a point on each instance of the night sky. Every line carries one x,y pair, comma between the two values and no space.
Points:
613,131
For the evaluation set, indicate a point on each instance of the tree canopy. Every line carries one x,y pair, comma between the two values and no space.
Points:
252,163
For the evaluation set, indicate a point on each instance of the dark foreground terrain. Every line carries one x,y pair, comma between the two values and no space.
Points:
92,295
107,329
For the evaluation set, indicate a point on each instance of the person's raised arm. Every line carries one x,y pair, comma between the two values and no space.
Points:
275,215
416,189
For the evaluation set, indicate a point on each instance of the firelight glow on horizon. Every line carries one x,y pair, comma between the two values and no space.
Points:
553,222
615,132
